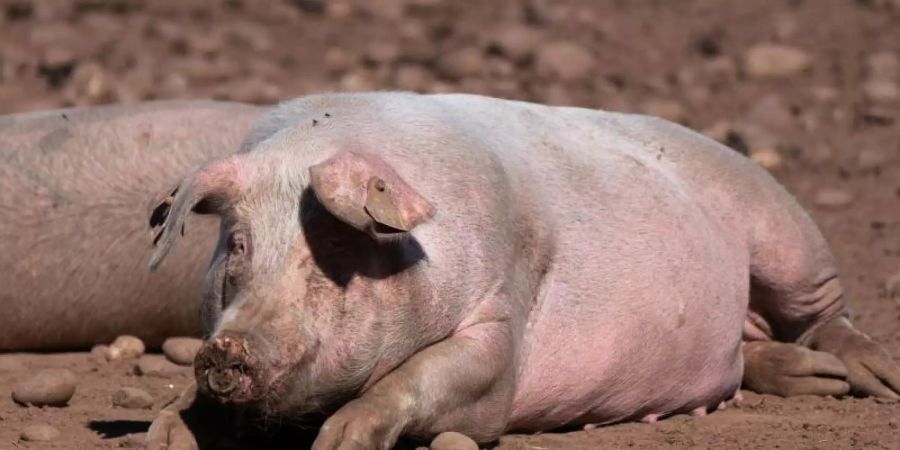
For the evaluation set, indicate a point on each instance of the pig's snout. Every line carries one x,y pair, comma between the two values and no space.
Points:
227,367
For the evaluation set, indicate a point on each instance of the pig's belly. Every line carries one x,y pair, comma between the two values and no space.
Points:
624,336
609,367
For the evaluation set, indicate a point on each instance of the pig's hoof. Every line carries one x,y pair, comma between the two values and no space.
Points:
451,440
169,432
789,369
357,425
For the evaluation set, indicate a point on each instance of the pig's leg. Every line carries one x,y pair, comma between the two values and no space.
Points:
464,384
189,423
798,317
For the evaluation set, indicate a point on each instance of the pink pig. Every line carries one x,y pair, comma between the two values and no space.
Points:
412,264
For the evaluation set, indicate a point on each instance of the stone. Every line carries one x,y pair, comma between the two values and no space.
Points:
132,398
516,42
833,198
462,63
39,433
181,350
775,61
563,60
48,387
884,65
125,347
157,366
881,91
767,158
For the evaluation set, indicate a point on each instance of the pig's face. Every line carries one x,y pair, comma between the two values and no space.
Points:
305,283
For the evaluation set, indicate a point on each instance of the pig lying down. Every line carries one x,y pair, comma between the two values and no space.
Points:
75,188
414,264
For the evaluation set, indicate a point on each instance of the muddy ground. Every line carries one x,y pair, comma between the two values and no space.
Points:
823,114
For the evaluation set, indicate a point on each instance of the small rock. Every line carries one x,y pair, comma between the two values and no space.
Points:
869,159
338,60
133,440
833,198
881,91
883,66
412,77
451,440
517,42
774,60
768,158
132,398
39,433
564,60
770,111
181,350
125,347
48,387
892,286
824,94
157,366
462,63
667,109
381,52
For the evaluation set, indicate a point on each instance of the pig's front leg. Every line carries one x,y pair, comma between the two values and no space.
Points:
191,422
464,383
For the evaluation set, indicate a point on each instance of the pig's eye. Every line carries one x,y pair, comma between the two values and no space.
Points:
238,244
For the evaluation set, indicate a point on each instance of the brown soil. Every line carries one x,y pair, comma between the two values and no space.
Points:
678,58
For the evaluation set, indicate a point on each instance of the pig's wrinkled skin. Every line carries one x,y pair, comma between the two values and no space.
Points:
75,189
415,264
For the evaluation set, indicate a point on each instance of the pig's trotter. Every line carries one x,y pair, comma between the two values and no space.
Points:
870,370
463,384
783,369
185,424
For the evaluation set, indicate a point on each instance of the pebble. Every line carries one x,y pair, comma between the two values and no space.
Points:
775,60
883,66
451,440
892,286
132,398
881,91
181,350
157,366
98,353
833,198
564,60
770,111
39,433
767,158
869,159
133,440
48,387
462,63
516,42
412,77
125,347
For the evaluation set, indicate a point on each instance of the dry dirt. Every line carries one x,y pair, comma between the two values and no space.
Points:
825,120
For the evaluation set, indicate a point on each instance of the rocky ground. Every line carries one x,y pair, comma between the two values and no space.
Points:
809,89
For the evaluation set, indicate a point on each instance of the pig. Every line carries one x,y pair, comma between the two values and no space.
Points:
75,188
408,264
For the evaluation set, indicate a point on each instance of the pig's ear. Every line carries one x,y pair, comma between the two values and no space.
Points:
366,193
204,190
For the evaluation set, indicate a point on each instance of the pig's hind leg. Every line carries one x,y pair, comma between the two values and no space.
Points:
798,336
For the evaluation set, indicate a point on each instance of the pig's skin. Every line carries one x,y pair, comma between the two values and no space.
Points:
75,188
579,267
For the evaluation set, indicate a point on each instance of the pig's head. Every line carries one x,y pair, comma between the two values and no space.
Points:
309,277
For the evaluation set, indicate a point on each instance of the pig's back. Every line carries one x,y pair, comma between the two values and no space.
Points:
642,309
76,186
